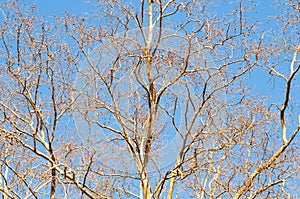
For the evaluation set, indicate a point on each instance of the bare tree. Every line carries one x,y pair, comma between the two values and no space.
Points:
149,99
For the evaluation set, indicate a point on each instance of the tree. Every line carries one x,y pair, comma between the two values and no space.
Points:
150,99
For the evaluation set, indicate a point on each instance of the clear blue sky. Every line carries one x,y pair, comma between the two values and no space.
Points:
59,7
49,7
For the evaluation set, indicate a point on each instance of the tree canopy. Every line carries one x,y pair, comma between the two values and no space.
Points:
150,99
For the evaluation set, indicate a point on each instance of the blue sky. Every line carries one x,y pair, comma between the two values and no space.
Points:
59,7
47,8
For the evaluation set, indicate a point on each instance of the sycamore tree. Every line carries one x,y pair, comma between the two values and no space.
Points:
150,99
